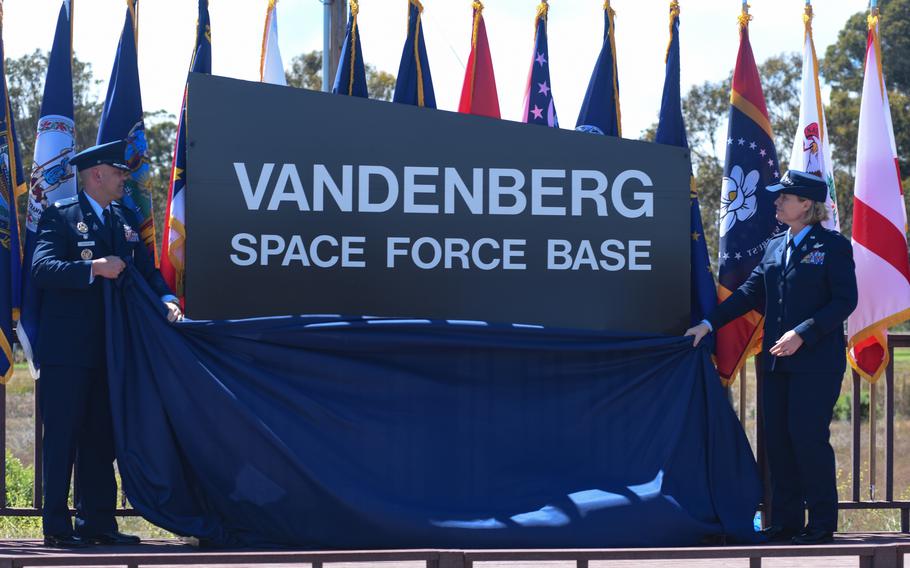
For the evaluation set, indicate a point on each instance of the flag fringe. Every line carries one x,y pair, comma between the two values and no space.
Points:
877,330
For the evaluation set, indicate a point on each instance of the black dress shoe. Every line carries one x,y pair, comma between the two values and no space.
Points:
64,541
814,536
110,538
777,533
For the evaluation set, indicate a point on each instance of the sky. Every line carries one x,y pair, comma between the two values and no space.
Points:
709,40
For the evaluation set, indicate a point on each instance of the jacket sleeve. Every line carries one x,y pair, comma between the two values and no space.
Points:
841,281
749,296
50,269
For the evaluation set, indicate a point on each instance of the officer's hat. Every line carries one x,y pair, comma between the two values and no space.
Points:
112,154
802,184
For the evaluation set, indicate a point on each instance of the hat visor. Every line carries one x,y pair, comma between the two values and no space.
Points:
123,167
777,187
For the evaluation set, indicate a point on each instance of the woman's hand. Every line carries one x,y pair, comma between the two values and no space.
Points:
698,332
787,345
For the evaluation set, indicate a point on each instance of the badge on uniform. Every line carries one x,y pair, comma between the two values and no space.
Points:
130,235
86,254
82,227
814,257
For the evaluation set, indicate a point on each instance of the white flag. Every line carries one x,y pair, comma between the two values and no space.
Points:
271,70
811,151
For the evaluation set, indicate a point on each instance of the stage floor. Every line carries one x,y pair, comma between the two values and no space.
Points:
876,550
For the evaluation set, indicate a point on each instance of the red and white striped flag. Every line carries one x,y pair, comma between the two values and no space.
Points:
879,224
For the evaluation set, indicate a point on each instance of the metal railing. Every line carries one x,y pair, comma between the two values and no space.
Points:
856,502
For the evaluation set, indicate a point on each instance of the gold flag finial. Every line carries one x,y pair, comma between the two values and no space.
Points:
744,17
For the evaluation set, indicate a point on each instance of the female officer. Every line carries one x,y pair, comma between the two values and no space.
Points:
806,287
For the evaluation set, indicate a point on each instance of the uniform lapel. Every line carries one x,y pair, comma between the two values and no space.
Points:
807,244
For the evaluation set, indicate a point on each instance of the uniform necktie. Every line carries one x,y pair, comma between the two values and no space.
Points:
109,225
791,246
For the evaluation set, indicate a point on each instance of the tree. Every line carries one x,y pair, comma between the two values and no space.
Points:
306,72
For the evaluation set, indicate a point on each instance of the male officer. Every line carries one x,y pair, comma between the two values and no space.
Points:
82,241
806,287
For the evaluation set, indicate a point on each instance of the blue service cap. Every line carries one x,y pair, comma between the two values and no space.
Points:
111,153
803,184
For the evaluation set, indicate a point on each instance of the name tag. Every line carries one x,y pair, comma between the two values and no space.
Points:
86,243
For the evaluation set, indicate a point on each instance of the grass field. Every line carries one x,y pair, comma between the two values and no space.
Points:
20,437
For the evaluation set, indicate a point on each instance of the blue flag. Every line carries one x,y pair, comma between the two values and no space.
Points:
600,110
52,177
174,242
121,118
12,185
539,106
671,129
351,77
414,85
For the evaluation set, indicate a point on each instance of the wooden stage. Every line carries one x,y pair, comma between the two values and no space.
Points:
878,550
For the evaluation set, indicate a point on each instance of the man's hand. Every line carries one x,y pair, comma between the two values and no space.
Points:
173,312
787,345
108,267
698,332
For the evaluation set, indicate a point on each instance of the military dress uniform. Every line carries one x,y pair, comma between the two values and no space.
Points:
811,294
71,351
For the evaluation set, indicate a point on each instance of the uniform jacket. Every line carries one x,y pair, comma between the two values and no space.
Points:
812,295
70,236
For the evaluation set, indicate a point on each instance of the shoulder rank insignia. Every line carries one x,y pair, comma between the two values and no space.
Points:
82,227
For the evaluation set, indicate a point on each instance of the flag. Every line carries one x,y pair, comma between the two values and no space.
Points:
52,176
174,242
879,222
414,85
600,110
12,185
351,77
121,119
478,93
271,69
671,129
539,107
811,151
747,212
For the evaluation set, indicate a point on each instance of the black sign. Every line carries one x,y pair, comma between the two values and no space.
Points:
300,202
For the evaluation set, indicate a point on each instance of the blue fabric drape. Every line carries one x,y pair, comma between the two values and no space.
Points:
324,432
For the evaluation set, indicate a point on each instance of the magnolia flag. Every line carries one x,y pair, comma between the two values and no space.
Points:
121,119
174,243
271,70
747,212
539,106
811,151
52,178
879,222
478,93
351,77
